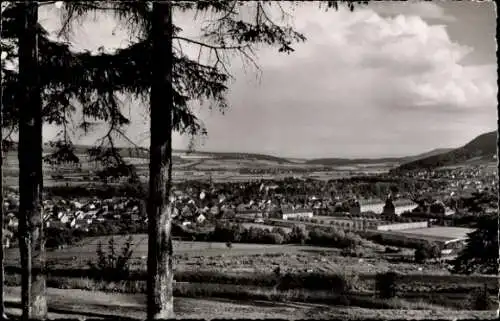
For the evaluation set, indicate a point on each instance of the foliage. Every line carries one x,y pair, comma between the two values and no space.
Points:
298,235
56,238
484,145
388,241
117,227
110,264
480,300
385,285
427,251
481,251
333,238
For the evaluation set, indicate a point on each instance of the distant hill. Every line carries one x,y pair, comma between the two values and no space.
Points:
178,155
433,152
352,161
368,161
235,156
483,147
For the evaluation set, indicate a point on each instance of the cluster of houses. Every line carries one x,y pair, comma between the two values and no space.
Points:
75,213
290,200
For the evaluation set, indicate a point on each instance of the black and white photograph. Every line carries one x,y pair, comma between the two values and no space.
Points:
224,159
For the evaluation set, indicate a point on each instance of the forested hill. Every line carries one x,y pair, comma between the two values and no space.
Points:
481,148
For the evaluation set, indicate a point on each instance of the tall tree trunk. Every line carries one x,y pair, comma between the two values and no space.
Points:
2,215
160,269
33,298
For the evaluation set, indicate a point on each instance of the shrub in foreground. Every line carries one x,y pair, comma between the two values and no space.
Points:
480,300
385,285
110,264
426,252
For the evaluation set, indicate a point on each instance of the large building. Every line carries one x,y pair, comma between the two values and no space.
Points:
288,213
363,206
294,214
377,206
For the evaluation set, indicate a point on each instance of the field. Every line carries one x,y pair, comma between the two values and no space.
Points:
255,258
248,268
437,232
434,234
204,166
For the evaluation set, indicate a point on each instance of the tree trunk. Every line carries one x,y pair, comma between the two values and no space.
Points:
2,215
33,299
160,269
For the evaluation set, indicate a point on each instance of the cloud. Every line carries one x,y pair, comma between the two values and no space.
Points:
423,9
364,84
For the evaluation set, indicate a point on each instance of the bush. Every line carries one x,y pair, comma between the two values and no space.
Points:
276,238
279,230
426,252
332,238
111,265
385,285
59,237
480,300
298,235
405,243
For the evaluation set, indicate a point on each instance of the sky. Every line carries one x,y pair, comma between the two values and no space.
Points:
389,79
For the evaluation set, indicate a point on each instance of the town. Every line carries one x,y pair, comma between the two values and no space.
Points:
257,159
384,203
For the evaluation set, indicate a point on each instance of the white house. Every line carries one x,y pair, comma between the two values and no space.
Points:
373,205
64,219
79,215
13,221
404,205
7,235
77,205
201,218
294,214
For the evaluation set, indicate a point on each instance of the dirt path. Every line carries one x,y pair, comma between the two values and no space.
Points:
81,304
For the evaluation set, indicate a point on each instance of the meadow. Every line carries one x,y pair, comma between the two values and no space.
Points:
248,272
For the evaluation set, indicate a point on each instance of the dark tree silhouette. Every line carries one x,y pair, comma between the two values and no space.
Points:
481,251
30,159
2,270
